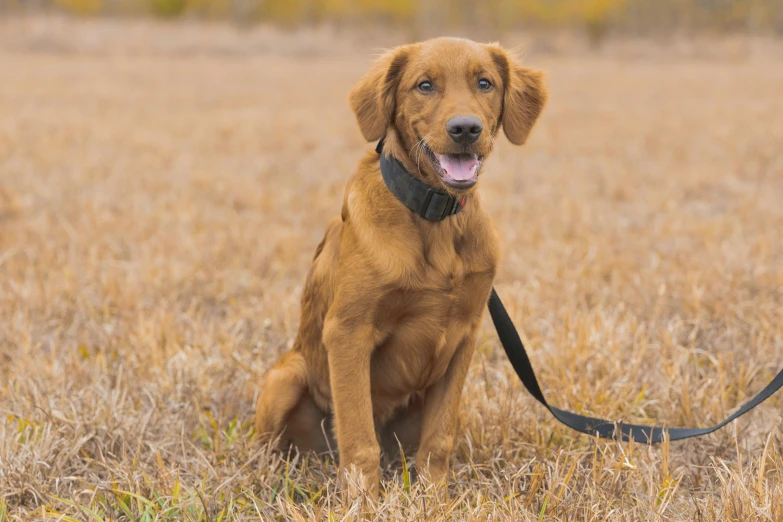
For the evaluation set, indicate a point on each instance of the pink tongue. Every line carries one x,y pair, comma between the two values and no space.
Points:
459,167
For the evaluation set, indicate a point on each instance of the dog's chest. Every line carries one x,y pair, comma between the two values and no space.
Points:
448,260
424,326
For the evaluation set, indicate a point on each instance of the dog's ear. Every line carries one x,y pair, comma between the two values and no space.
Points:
524,97
372,100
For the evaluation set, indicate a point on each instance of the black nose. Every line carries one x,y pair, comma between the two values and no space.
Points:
464,129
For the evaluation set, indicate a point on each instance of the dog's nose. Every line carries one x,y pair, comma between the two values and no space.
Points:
464,129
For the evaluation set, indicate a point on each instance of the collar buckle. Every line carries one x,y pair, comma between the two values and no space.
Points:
425,204
449,209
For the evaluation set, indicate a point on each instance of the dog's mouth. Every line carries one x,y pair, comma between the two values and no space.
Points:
458,171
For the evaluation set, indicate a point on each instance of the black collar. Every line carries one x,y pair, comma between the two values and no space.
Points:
427,202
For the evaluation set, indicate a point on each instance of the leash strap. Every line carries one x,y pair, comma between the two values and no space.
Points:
515,350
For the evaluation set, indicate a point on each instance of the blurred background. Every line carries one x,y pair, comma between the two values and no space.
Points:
167,168
596,19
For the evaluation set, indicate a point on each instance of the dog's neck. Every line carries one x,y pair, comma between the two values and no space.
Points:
428,202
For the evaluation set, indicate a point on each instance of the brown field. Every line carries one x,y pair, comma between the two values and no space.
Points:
163,188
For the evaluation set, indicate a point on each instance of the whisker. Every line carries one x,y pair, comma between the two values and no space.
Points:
418,144
418,156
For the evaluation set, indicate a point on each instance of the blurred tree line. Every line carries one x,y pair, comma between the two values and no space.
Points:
596,17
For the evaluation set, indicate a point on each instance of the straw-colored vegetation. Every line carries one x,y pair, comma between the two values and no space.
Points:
163,187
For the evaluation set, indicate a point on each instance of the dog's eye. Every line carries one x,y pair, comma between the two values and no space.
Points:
484,84
426,86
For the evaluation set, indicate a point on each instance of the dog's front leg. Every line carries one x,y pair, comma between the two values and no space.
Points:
349,348
441,414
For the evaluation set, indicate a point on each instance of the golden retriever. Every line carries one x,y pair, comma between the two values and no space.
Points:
393,300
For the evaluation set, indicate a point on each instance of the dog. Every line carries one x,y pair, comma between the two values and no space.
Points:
393,300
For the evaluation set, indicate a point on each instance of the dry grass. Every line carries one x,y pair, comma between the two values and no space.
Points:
158,211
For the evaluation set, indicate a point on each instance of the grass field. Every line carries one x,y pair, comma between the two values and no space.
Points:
162,190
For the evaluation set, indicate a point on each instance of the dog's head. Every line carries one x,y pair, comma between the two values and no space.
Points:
440,103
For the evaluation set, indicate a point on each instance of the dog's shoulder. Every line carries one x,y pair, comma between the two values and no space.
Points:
480,239
376,227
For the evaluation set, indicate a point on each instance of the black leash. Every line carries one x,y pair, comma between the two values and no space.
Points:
605,429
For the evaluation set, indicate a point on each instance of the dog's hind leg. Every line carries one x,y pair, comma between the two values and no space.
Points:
309,428
285,408
404,429
284,385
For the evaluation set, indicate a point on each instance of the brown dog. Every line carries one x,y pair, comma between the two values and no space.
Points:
393,301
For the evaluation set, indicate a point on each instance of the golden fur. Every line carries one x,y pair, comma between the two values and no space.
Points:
392,303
